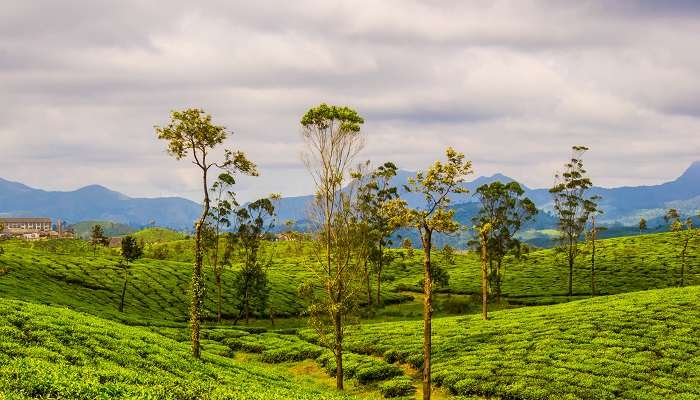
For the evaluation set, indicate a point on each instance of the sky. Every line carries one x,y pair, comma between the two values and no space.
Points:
512,84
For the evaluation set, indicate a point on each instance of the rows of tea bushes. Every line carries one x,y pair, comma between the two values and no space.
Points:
623,265
49,352
278,348
643,345
157,289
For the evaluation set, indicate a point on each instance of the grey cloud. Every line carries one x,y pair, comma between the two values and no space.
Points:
511,83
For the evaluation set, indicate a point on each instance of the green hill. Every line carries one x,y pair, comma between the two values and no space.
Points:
158,235
643,345
84,228
157,290
48,352
624,264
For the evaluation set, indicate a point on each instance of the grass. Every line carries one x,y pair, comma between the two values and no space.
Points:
48,352
623,265
643,345
157,291
65,273
158,235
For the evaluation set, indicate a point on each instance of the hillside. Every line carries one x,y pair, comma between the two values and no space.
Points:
157,290
643,345
84,228
158,235
48,352
623,264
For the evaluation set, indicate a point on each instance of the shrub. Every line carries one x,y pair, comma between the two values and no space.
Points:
397,387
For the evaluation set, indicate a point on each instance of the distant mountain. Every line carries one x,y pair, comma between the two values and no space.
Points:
96,203
621,205
626,204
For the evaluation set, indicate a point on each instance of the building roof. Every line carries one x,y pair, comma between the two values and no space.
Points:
32,219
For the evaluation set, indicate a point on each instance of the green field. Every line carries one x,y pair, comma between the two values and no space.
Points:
157,290
49,352
641,345
158,235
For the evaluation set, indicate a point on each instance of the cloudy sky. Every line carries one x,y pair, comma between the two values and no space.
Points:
511,84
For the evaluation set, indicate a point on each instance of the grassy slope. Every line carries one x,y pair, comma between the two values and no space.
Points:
48,352
623,265
157,289
643,345
84,228
158,235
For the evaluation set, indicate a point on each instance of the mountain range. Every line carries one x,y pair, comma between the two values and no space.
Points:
621,205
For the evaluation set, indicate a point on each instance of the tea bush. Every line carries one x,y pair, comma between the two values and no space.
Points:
49,352
631,346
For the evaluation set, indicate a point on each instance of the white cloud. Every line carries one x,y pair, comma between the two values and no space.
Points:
512,84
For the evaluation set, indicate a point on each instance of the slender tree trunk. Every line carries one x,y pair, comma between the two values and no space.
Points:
197,285
337,322
369,285
247,306
121,304
685,248
498,281
484,277
427,312
571,270
593,238
218,296
380,265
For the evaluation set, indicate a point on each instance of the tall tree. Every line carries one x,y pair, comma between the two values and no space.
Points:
220,218
97,238
572,206
254,222
373,194
333,139
642,225
592,237
131,251
505,209
685,233
191,133
436,185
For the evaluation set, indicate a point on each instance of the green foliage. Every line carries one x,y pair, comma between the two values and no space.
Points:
84,228
397,387
48,352
637,345
131,249
572,207
504,210
440,277
251,290
192,133
98,238
158,235
407,244
361,367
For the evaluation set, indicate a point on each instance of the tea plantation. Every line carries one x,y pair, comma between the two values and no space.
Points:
49,352
643,345
157,290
